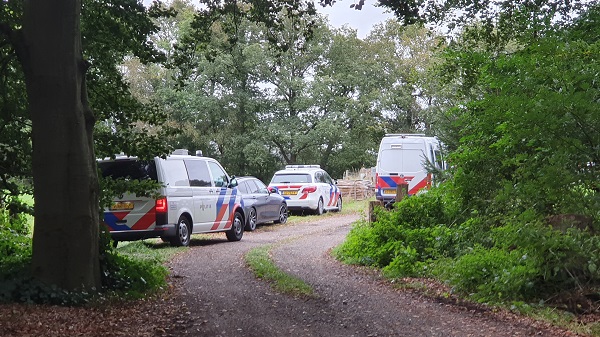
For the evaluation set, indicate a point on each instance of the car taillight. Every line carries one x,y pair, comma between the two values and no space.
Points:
309,189
161,205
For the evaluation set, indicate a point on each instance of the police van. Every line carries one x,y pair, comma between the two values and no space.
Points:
403,159
196,196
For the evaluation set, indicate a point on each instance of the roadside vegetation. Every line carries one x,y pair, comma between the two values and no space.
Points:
514,221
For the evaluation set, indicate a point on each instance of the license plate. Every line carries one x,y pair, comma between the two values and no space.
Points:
389,191
122,206
292,192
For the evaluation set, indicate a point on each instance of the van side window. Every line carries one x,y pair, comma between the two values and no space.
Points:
219,176
198,173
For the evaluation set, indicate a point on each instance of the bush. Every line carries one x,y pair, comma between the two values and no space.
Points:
128,276
404,239
492,275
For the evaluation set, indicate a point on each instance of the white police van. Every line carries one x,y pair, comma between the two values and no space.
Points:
402,159
197,196
307,187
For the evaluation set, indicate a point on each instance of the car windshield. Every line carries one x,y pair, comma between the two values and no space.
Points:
129,169
291,178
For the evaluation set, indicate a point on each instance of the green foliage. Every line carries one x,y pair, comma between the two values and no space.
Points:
112,188
15,241
405,240
123,272
493,275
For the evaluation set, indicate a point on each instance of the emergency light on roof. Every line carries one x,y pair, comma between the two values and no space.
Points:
181,152
302,166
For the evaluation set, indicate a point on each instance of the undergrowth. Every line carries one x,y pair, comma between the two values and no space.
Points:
499,260
124,275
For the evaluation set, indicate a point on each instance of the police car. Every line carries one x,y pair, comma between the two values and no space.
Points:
307,187
197,196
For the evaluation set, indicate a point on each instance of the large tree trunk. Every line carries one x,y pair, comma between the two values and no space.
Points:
65,238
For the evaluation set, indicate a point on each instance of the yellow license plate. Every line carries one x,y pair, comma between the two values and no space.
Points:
122,206
389,191
292,192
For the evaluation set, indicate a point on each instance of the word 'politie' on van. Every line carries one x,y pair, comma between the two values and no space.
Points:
402,159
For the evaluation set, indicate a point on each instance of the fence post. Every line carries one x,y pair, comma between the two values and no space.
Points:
372,205
401,191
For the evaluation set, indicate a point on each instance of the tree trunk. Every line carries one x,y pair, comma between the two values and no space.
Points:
65,238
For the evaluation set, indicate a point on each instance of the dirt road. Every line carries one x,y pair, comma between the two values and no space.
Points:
223,298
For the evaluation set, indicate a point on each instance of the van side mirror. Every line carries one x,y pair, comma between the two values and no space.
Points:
233,182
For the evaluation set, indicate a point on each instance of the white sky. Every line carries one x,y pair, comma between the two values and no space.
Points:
363,20
341,14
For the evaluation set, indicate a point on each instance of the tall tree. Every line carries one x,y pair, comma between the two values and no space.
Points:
56,119
64,164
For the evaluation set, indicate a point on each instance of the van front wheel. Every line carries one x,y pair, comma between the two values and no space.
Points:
237,228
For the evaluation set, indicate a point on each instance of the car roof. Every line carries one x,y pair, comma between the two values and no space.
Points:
300,169
246,178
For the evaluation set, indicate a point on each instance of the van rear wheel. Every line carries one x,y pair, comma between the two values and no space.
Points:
237,228
183,231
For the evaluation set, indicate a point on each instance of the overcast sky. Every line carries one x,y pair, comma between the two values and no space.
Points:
362,20
341,14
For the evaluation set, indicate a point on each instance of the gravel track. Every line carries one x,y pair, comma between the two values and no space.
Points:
223,298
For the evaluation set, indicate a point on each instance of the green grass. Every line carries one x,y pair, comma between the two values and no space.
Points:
150,249
558,318
356,206
263,267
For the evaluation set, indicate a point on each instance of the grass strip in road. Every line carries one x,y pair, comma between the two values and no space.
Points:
263,267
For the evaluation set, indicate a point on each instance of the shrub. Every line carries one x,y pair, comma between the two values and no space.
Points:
404,239
492,275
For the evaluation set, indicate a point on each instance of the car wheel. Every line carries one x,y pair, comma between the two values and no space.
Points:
339,205
319,210
237,228
182,237
283,214
251,225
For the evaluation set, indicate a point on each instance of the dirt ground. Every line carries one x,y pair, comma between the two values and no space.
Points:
214,294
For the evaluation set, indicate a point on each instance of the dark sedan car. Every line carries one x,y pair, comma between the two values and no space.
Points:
261,203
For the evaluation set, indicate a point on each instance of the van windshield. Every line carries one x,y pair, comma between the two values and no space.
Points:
401,160
129,169
291,178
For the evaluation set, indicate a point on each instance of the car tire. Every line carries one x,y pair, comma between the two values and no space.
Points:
320,208
338,205
237,228
183,231
252,219
283,214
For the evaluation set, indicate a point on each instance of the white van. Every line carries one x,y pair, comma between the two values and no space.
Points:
197,196
402,159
